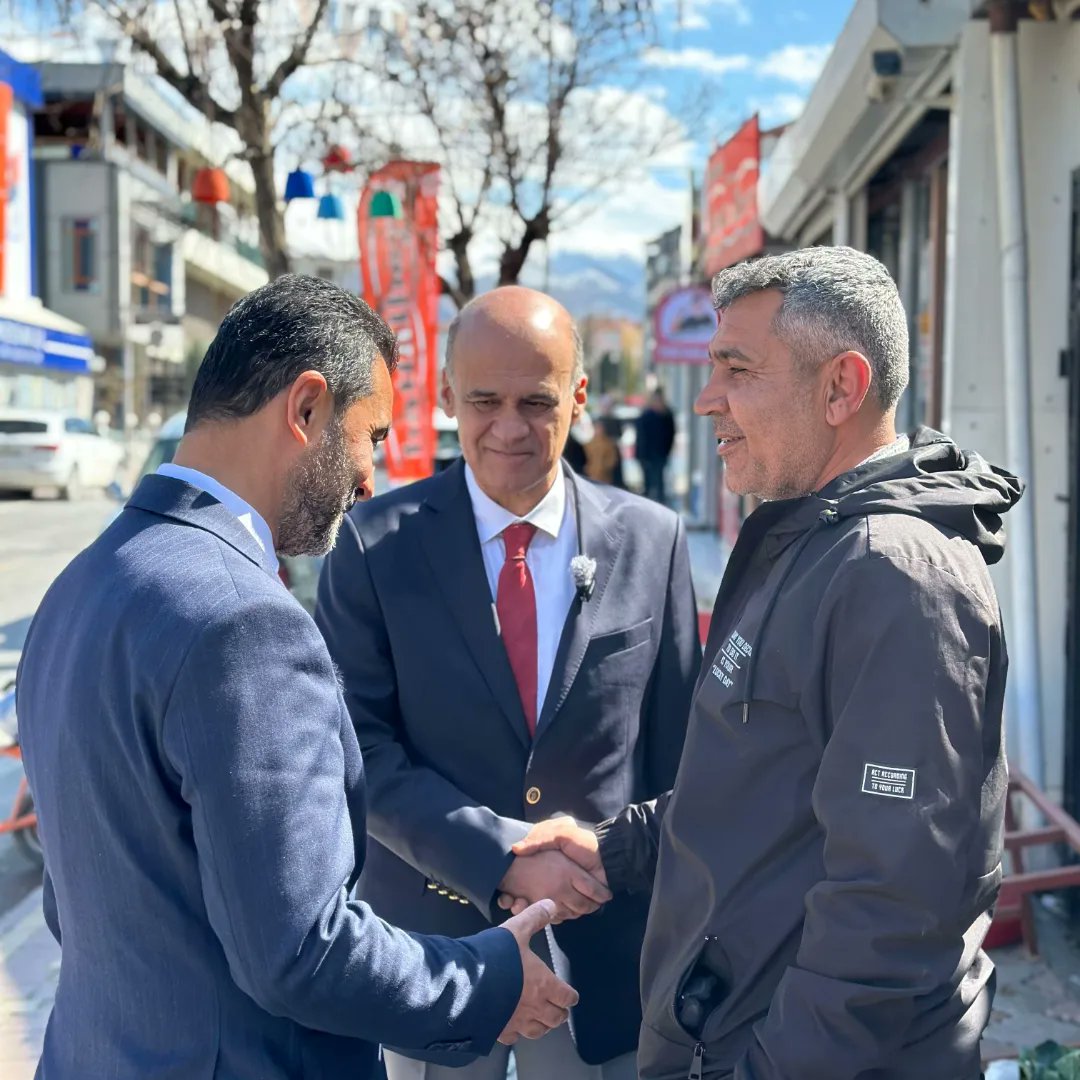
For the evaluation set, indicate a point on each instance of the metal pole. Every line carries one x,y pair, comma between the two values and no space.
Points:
1024,616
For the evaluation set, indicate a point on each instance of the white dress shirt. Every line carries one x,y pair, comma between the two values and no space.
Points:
246,514
548,559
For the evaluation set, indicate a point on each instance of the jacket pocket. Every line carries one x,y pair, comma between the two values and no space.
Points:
619,641
701,990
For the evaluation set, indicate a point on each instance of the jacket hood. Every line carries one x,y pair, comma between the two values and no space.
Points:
935,480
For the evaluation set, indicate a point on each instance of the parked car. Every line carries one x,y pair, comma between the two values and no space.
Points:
40,449
626,416
299,572
447,446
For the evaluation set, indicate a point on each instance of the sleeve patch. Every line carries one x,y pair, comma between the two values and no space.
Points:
888,780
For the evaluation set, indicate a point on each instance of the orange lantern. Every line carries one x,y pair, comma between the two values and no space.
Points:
210,186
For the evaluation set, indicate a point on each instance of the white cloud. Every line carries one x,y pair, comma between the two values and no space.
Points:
692,14
701,60
627,218
778,109
799,64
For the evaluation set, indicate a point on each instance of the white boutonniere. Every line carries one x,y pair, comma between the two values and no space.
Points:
583,571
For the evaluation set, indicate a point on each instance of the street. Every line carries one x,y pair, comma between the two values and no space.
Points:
38,537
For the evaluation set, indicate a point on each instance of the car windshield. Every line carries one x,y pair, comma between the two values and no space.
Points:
22,427
162,451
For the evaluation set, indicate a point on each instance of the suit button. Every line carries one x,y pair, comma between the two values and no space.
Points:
532,796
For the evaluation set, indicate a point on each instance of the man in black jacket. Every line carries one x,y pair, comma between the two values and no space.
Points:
824,872
654,437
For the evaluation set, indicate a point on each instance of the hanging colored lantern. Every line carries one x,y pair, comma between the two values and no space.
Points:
299,185
210,186
338,159
331,208
385,204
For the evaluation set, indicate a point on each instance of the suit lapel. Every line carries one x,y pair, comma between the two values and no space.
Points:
601,538
452,547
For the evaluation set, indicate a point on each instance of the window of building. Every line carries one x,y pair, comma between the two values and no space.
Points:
80,262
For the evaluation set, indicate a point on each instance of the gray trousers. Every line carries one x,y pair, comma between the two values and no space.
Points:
554,1057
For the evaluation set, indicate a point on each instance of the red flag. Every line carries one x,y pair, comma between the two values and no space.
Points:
399,280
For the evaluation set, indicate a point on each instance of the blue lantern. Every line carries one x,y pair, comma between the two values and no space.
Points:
299,185
331,208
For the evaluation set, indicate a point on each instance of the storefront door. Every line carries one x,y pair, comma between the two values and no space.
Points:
1072,666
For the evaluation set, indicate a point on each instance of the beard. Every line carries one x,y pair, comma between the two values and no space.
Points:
318,493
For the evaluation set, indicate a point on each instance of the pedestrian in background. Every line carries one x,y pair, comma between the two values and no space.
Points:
514,642
603,455
655,436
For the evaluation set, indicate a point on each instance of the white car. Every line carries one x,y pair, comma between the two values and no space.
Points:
52,449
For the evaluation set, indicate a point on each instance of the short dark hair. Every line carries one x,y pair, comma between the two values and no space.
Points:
835,299
274,334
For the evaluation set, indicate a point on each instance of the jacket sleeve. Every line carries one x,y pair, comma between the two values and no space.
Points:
908,865
413,810
629,844
678,662
254,728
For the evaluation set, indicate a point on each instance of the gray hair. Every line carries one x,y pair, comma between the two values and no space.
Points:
836,299
576,374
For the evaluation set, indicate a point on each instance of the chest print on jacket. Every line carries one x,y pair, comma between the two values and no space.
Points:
731,658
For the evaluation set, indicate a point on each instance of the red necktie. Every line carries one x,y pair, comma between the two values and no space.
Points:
515,603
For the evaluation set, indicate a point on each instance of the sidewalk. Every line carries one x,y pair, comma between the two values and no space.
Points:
29,965
708,557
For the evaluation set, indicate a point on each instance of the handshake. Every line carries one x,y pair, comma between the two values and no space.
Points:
559,860
556,874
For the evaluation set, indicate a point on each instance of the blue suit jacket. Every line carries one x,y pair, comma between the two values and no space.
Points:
405,606
201,803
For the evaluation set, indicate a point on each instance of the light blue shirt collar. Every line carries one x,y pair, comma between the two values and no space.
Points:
246,514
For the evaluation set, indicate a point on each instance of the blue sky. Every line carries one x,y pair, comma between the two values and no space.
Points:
750,56
746,55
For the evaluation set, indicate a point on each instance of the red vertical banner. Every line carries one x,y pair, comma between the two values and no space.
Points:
730,225
6,102
399,280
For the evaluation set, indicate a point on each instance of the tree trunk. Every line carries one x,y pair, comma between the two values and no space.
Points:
271,217
465,290
513,259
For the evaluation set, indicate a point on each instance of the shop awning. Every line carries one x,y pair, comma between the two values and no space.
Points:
33,335
852,113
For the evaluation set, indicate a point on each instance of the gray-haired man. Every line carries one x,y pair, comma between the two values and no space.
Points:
824,871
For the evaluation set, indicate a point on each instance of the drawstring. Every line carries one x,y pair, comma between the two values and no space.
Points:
828,516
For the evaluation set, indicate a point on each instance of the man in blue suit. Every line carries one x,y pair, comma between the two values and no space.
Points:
200,790
515,642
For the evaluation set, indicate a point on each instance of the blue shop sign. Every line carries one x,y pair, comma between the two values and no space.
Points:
37,346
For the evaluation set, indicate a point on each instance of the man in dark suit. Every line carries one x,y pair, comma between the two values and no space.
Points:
199,787
493,686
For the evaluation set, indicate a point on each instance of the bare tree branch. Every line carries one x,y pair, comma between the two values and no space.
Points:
295,60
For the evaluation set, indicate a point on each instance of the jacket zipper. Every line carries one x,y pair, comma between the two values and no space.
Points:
695,1072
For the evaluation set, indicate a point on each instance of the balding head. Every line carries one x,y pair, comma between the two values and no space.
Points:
521,315
514,381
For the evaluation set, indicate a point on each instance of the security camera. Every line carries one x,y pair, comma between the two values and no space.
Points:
887,63
886,66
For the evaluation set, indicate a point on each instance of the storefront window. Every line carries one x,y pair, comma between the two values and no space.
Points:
883,237
81,254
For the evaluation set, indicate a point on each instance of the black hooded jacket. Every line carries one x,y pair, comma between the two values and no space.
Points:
827,863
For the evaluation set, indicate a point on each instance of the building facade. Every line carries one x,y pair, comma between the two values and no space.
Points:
46,360
126,250
943,138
